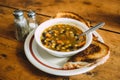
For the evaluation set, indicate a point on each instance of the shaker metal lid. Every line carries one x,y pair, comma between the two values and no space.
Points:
31,13
17,13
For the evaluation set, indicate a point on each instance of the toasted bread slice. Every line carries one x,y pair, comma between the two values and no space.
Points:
72,15
95,51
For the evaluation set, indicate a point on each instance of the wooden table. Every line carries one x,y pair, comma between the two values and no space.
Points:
15,66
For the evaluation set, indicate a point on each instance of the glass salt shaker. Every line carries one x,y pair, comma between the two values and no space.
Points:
22,28
32,20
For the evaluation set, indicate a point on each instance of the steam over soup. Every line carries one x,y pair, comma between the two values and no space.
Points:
62,37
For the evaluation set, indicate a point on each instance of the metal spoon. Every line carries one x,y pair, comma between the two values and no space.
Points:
93,28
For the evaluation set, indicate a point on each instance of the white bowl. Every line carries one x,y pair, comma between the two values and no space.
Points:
39,30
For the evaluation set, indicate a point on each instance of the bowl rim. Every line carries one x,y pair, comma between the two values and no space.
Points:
54,21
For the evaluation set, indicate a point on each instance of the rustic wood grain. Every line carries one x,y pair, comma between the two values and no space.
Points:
95,11
13,62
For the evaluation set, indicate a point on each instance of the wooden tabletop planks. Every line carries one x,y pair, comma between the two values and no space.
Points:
15,66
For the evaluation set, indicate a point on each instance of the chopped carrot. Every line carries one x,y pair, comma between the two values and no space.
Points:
48,35
59,41
81,43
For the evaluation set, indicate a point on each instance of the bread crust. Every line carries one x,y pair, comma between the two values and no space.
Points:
67,14
95,51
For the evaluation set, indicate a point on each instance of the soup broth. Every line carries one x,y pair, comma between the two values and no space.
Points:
63,37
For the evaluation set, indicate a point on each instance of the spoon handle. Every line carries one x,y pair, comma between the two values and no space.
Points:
93,28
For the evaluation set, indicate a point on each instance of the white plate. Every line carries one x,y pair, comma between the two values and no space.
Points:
51,64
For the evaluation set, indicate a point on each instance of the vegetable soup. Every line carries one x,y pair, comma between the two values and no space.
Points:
63,37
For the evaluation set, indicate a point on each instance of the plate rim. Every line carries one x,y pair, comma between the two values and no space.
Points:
53,71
